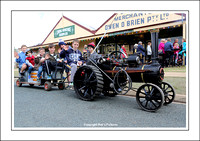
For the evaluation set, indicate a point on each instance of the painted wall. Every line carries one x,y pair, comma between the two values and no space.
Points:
79,32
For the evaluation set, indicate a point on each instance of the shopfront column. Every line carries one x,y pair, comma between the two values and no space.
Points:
154,44
184,36
184,31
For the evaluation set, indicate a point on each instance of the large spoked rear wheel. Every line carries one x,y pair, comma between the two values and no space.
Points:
168,91
88,82
150,97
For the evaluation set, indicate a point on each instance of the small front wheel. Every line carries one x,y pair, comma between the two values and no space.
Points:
168,91
47,86
31,85
61,85
18,83
150,97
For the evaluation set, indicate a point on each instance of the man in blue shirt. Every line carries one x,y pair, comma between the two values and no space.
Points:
168,45
169,51
141,50
21,58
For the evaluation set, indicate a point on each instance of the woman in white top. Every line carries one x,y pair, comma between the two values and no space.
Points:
149,51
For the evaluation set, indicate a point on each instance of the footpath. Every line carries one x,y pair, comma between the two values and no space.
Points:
180,98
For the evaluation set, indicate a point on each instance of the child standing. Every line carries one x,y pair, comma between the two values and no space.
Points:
149,51
176,50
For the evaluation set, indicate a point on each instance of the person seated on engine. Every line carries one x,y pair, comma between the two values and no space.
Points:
92,54
30,61
63,54
52,60
74,58
39,62
21,59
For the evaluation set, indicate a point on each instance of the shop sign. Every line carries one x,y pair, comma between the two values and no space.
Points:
119,33
137,19
70,30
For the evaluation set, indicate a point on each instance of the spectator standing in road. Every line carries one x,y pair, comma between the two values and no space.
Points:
141,50
149,51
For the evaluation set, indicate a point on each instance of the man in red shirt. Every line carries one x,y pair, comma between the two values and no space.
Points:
30,61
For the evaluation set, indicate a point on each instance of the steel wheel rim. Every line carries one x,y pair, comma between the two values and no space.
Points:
17,82
85,82
149,97
46,86
168,91
60,86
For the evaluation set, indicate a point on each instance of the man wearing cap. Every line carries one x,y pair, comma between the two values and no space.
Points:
141,50
63,54
64,49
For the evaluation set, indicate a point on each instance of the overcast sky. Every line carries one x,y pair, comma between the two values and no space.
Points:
31,28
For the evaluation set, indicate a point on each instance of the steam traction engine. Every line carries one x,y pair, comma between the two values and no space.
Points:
113,74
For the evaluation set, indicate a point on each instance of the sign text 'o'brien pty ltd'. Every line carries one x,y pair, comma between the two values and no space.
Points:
135,19
70,30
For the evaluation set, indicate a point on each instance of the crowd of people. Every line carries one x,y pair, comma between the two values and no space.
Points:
168,53
68,56
171,54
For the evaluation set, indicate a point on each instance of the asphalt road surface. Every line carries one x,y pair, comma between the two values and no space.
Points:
34,107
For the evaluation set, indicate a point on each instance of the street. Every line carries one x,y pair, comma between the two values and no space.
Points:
34,107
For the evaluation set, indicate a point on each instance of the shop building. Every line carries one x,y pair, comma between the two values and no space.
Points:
121,29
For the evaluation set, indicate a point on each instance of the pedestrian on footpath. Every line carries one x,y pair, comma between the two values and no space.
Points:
161,52
149,51
184,49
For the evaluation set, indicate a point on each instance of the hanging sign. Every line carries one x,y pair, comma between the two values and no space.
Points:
70,30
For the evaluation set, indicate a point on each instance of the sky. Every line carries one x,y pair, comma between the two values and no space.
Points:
32,27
